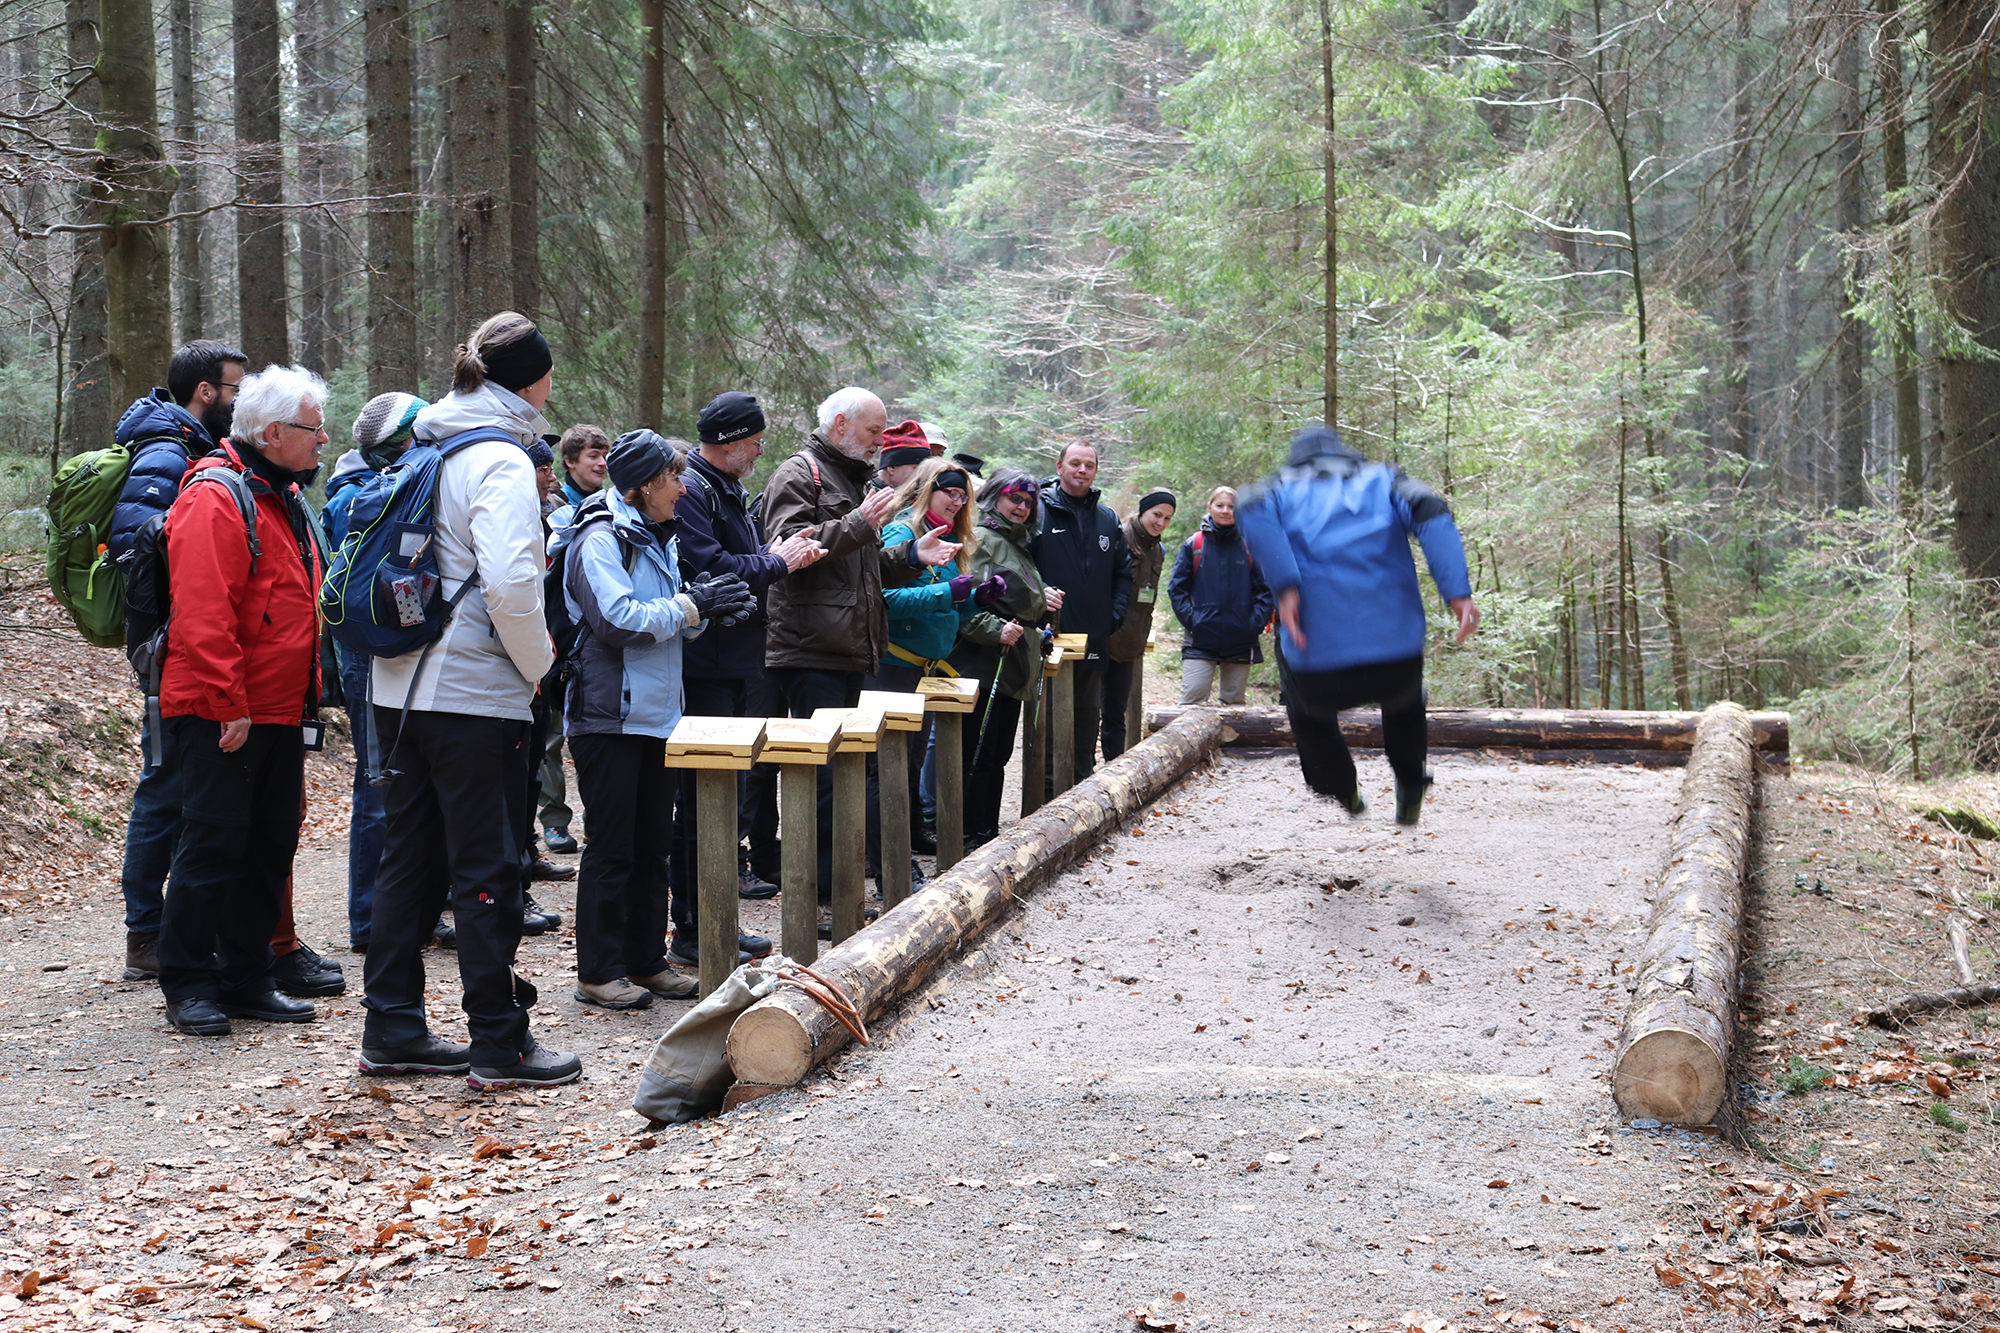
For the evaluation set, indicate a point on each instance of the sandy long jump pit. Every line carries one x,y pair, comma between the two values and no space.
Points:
1256,1065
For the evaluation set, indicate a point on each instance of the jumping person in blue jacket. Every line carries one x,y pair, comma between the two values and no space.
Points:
1331,532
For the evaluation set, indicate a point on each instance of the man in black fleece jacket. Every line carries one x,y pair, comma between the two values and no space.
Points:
1081,549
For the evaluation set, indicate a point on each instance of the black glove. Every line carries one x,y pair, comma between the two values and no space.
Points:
722,597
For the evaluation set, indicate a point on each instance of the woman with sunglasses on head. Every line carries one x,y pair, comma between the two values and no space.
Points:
1001,646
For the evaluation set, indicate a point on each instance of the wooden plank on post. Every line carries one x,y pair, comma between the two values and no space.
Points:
948,699
718,748
1135,702
904,714
861,732
800,746
1062,726
1034,750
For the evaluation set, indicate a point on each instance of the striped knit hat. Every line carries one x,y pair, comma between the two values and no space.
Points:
386,420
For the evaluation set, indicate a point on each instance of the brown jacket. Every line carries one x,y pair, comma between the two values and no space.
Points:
830,615
1127,643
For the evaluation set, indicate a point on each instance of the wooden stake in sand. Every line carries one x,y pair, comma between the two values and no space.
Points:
800,746
717,748
1673,1051
948,699
778,1040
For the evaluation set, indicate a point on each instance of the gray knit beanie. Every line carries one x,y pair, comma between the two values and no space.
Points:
383,427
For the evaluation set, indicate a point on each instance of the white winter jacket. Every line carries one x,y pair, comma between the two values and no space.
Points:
496,649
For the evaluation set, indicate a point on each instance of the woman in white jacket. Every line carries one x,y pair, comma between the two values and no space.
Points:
622,583
454,808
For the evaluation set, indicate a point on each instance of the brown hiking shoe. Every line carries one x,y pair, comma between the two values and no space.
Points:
142,955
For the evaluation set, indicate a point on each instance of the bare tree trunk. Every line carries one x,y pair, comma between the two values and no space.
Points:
1736,417
653,203
260,231
1332,265
181,20
309,41
135,188
1965,121
524,172
1896,179
90,415
392,265
482,260
1851,346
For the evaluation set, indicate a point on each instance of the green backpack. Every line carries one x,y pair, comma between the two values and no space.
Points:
81,573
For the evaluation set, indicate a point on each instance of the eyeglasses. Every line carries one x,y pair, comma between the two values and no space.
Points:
300,425
225,384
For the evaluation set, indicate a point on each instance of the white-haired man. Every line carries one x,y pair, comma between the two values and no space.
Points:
240,677
828,624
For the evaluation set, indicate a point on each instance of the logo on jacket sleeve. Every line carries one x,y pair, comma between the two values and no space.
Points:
1103,542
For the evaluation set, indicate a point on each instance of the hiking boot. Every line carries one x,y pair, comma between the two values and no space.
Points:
825,930
618,993
541,1067
198,1018
142,955
534,921
357,946
923,840
541,869
270,1007
1353,804
558,840
686,948
750,885
445,936
668,985
428,1054
304,972
528,904
1409,803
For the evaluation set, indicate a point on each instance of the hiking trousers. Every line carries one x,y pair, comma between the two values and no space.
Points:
1314,700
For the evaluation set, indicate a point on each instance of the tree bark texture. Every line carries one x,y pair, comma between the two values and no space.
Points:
651,389
1742,223
778,1040
1851,405
260,231
483,240
135,187
1332,220
310,40
1672,1060
191,298
392,260
1896,179
1965,153
89,415
523,170
1534,729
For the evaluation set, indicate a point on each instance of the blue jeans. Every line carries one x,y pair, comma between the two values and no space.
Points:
364,829
927,784
151,834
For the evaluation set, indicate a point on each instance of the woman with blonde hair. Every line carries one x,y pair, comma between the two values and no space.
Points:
926,613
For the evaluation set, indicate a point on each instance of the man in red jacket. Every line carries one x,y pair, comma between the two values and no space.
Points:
241,679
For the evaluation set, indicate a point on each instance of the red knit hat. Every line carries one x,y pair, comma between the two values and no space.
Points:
908,436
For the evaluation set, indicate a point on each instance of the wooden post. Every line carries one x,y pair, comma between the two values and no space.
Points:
717,748
1135,702
1062,727
860,736
1034,750
948,699
800,746
904,717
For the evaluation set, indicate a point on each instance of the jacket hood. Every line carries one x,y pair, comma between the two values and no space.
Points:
158,414
346,465
488,405
1137,532
1320,441
1018,533
1228,533
1052,491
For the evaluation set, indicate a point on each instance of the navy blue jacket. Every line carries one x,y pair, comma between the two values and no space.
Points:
1224,604
172,436
718,536
1081,549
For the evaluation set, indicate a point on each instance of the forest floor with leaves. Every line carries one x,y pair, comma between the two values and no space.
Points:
1250,1066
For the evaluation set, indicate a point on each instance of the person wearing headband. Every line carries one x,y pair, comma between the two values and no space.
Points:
1126,645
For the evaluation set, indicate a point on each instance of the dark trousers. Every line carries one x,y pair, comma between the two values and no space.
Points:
1089,704
899,680
239,830
1314,700
986,776
1118,682
704,696
151,832
544,723
804,689
621,892
364,826
452,831
758,814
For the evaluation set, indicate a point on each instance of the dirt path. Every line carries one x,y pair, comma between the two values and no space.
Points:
1254,1054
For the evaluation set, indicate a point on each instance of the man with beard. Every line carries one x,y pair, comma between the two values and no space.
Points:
828,624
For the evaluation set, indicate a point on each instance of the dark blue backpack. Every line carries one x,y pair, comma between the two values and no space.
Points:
382,595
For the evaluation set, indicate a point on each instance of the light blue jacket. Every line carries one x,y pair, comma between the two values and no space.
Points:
622,587
922,619
1337,527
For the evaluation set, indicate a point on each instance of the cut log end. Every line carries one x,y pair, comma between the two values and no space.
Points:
769,1045
1671,1076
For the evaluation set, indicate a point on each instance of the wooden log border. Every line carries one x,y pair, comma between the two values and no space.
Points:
1672,1060
778,1040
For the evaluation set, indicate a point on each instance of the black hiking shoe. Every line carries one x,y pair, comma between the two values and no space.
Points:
1410,804
198,1018
428,1054
541,1067
304,972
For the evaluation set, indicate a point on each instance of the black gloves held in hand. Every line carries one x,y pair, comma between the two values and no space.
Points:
722,597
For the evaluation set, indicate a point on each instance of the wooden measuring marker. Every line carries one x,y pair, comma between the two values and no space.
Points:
1035,738
949,699
800,746
860,734
1062,711
718,748
904,714
1135,702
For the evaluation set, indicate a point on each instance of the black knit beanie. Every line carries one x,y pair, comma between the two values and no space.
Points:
730,416
637,457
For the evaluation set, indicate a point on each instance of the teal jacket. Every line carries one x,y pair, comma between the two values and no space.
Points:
922,620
